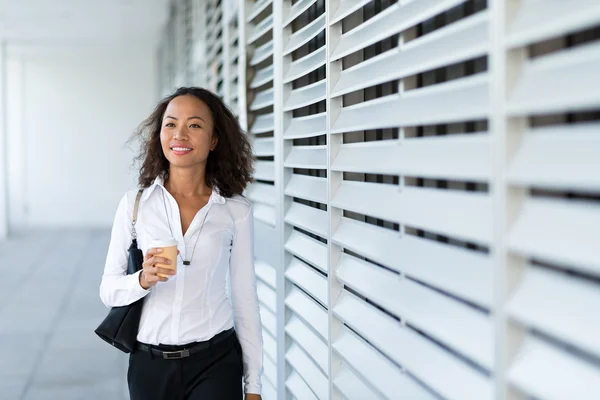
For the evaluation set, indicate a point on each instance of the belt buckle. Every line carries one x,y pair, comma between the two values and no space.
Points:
172,355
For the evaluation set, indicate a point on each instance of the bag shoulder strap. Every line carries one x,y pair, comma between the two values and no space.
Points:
136,207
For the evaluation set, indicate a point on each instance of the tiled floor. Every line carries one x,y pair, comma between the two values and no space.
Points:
49,308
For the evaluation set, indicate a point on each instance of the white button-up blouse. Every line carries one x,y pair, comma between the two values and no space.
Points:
193,305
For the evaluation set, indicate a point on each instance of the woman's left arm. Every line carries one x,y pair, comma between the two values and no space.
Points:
245,302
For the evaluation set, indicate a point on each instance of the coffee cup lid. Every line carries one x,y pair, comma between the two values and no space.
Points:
165,242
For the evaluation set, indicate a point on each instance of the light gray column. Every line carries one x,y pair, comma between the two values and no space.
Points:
3,145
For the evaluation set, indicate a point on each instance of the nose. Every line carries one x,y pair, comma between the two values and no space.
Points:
180,133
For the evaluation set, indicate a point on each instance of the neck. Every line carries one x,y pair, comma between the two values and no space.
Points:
187,182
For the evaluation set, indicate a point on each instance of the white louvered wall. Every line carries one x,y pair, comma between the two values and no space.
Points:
304,209
549,120
257,18
215,55
427,194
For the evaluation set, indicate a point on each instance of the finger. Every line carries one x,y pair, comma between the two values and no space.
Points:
151,278
159,260
165,271
152,270
153,251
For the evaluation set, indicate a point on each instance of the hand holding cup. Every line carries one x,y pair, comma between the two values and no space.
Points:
160,262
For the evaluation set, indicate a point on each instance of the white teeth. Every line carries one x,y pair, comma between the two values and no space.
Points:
181,149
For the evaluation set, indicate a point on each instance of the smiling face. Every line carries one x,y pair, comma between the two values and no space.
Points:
186,135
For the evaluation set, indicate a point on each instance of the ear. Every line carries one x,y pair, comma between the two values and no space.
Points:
214,142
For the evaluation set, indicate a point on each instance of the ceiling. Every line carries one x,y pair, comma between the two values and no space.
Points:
82,22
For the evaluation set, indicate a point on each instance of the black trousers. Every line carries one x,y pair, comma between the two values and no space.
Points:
214,373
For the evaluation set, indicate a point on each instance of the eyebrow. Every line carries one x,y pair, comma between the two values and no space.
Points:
193,117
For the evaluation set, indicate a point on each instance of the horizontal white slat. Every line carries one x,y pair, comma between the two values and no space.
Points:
352,386
210,10
376,369
308,218
558,305
455,101
308,249
306,95
299,388
345,8
262,53
305,65
262,76
268,391
264,146
424,359
215,59
463,215
459,157
308,279
235,107
265,213
266,273
461,272
263,99
266,296
310,342
264,170
270,347
270,372
433,313
262,193
547,372
303,127
296,10
268,320
313,157
460,41
307,187
258,7
562,157
233,40
536,21
260,29
233,91
558,82
307,369
309,310
304,35
560,232
263,124
392,20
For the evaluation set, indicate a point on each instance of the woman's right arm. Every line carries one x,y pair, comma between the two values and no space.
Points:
117,288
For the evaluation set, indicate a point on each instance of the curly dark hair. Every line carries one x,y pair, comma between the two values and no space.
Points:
229,166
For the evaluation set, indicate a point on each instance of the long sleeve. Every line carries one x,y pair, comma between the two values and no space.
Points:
117,288
245,302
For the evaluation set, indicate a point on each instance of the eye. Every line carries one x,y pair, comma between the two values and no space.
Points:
170,125
196,126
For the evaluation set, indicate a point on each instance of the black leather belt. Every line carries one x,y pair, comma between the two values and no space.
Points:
187,350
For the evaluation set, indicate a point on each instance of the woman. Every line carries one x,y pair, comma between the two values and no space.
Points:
196,161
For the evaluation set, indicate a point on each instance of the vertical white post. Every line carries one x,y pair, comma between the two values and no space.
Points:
334,180
497,125
281,177
242,63
3,144
226,11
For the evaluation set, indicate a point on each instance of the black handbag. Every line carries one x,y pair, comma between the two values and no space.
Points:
120,327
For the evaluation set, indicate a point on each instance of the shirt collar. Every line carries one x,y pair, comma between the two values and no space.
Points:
215,196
